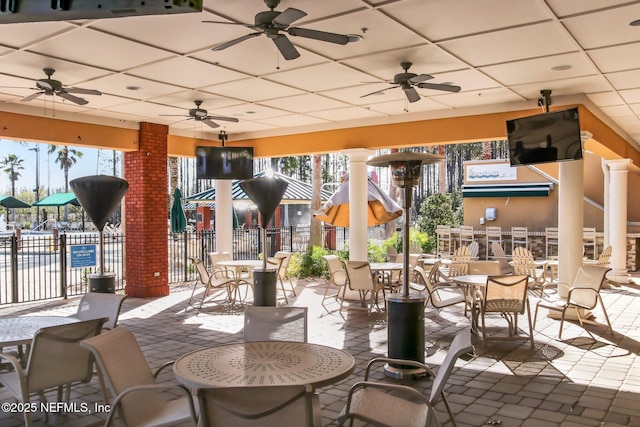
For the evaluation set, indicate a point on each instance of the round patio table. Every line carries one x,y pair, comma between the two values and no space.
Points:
20,330
263,363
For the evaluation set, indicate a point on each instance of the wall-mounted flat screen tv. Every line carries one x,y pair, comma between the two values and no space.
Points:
544,138
224,162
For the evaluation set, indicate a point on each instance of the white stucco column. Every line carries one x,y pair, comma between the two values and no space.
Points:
607,205
358,196
618,179
224,216
570,219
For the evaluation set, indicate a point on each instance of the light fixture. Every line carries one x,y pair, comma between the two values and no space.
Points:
133,88
635,23
563,67
354,38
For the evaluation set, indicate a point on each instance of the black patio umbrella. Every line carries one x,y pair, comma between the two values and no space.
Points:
178,220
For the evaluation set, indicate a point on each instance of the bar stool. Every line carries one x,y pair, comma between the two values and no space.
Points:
519,237
493,234
551,240
466,235
589,240
443,233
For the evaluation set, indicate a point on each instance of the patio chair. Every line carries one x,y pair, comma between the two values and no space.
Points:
284,270
55,360
589,240
275,263
524,265
461,254
583,294
337,277
286,406
94,305
519,237
359,279
492,234
128,377
216,257
465,237
443,235
474,249
440,295
275,324
506,296
392,254
551,241
501,257
453,269
379,404
217,280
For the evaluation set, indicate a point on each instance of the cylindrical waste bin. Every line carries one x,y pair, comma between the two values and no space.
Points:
102,283
264,287
405,333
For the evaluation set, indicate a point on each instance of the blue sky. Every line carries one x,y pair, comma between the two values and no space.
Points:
50,172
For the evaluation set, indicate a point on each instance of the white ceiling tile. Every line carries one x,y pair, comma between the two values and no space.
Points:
186,98
356,95
250,112
116,84
625,79
253,89
590,84
321,77
90,47
631,96
400,107
478,98
293,120
564,8
539,69
349,113
617,58
608,27
510,45
605,99
304,103
29,64
433,18
186,72
617,111
24,34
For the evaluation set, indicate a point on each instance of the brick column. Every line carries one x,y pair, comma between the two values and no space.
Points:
146,205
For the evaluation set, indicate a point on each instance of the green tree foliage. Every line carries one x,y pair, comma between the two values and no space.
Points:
66,157
437,210
12,166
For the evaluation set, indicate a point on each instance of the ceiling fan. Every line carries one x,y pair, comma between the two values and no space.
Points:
200,115
271,22
49,86
409,81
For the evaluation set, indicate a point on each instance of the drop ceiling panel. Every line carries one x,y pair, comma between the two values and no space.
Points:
148,109
116,84
253,89
186,72
632,96
250,112
356,94
90,47
605,28
590,84
433,18
349,113
304,103
617,58
23,35
27,64
478,98
402,107
376,38
564,8
625,79
605,99
321,77
539,69
293,120
185,99
511,45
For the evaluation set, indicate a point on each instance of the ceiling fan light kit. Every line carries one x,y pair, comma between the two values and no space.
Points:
272,22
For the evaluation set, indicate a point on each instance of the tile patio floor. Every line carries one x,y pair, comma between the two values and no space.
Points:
587,379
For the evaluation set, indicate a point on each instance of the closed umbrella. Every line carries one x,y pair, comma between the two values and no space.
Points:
178,220
380,207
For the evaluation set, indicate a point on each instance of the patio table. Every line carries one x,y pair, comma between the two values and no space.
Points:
263,363
471,282
20,330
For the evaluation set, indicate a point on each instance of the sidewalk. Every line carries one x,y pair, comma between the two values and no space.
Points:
587,379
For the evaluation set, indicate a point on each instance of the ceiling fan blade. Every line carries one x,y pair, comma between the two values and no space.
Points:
288,16
379,91
210,123
232,23
82,91
286,48
420,78
319,35
439,86
72,98
226,119
234,42
412,94
32,96
173,115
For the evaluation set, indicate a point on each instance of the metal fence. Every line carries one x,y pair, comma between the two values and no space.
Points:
37,266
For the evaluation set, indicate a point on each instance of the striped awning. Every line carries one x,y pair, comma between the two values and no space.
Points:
539,189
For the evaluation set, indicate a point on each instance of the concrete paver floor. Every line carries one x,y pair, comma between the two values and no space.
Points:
589,378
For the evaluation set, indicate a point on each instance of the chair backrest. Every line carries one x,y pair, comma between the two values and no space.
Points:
336,269
94,305
201,269
466,233
605,255
443,232
359,275
523,262
589,281
505,294
275,263
498,250
275,324
216,257
493,232
457,269
461,254
123,365
460,345
430,281
392,253
551,234
474,249
589,235
253,406
286,257
519,233
485,267
56,357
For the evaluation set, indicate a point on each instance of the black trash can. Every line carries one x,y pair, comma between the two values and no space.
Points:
264,287
405,333
102,283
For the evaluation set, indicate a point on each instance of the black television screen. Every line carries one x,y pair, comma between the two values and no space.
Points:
224,162
544,138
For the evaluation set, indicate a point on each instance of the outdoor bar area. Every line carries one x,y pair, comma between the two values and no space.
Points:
285,221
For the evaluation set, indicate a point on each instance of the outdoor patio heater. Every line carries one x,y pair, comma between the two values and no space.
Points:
99,196
266,193
405,312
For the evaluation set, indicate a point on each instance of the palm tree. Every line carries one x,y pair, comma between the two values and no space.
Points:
66,157
12,164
